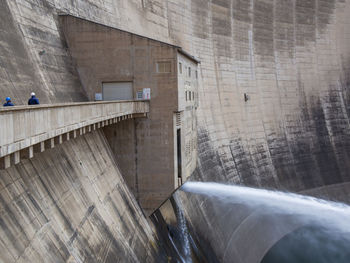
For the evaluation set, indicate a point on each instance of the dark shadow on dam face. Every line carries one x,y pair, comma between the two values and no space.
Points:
310,244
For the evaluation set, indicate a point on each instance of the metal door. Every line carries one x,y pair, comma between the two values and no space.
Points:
117,91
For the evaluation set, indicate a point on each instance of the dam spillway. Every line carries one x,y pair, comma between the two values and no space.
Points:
225,223
248,92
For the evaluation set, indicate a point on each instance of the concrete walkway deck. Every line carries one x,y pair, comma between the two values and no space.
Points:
29,129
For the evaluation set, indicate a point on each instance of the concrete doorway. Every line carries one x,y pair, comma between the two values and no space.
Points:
179,157
117,91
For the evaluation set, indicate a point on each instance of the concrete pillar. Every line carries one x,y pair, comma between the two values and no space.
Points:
94,126
67,136
81,131
98,125
89,128
5,162
31,152
27,153
75,134
40,147
50,143
16,157
58,139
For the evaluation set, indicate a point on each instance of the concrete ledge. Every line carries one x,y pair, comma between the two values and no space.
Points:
33,129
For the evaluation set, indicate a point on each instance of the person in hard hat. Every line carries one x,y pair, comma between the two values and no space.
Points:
33,100
8,102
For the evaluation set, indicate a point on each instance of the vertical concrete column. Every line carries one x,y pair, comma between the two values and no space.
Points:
40,147
59,139
16,157
31,152
27,153
7,162
50,143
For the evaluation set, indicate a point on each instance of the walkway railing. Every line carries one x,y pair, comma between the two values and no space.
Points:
27,129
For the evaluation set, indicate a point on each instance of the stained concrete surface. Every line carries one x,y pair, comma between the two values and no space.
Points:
71,204
290,57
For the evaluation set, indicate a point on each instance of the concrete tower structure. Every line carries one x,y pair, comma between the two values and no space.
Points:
120,65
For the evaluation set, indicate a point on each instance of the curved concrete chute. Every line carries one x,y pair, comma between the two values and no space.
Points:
256,235
310,244
238,224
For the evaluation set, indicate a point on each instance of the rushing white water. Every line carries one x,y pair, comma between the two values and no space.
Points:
186,257
305,208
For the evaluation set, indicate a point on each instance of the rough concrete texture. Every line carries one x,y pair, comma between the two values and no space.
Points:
71,204
290,57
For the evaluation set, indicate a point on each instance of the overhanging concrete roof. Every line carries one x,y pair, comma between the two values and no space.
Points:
179,49
184,53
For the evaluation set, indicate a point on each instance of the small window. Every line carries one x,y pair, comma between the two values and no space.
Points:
189,71
164,67
180,67
139,95
192,95
189,95
196,74
186,95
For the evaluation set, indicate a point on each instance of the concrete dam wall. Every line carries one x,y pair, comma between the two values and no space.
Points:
71,204
273,113
290,58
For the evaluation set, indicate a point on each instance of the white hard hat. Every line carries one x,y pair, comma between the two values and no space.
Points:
32,94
